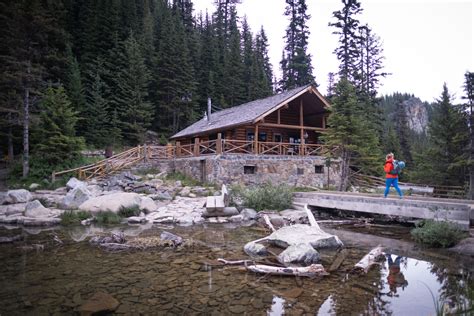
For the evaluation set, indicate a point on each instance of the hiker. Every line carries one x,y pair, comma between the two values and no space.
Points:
391,177
395,278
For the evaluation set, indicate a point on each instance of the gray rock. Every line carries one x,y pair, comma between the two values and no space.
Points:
12,209
113,202
254,249
300,253
465,247
33,186
35,209
300,233
177,240
41,221
161,196
147,204
295,216
74,183
136,220
178,184
185,191
236,218
248,214
18,196
76,197
226,212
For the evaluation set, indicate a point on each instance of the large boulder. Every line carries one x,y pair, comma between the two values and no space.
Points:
147,204
300,254
225,212
74,183
248,214
115,201
12,209
300,233
35,209
76,197
18,196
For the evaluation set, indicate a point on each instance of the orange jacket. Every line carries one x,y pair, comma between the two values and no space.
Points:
389,167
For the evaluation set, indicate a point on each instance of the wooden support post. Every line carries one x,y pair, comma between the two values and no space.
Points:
196,146
178,149
301,129
324,122
53,177
219,144
256,139
145,153
278,116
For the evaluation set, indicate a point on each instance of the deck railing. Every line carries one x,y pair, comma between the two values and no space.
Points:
199,148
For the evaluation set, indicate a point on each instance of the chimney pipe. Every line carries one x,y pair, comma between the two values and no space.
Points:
209,104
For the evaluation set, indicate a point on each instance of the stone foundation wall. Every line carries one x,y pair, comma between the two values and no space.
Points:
253,169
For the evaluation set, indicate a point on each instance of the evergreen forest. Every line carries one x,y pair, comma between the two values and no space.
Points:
80,74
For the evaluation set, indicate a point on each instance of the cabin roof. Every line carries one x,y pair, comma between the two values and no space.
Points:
244,113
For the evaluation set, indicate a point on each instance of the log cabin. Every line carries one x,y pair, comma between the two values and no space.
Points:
288,123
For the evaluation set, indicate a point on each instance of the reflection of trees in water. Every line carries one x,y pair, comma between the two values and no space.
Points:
361,294
457,286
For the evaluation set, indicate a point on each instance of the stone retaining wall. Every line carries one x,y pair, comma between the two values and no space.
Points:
255,169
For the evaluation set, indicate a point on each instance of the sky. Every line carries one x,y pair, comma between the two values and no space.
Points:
426,42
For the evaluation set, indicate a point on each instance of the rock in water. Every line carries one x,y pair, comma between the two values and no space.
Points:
300,253
100,302
177,240
300,233
36,209
18,196
254,249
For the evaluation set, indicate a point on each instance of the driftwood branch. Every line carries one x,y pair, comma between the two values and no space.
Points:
268,222
373,257
312,220
310,271
235,262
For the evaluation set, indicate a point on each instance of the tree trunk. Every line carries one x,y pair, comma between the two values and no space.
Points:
26,126
10,140
344,170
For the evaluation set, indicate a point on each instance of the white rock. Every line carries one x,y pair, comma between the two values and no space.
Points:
73,183
299,253
147,204
300,233
113,202
34,186
35,209
76,197
18,196
12,209
136,220
249,214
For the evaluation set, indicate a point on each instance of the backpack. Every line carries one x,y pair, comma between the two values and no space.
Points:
397,167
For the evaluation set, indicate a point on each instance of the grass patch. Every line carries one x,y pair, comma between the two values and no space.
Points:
74,217
129,211
107,217
264,197
437,233
185,179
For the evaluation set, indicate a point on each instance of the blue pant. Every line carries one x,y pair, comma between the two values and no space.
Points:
388,183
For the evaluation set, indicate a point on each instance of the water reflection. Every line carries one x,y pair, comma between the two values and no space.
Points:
188,281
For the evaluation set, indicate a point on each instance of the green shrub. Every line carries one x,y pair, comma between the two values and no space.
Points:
74,217
185,179
437,233
129,211
265,197
107,217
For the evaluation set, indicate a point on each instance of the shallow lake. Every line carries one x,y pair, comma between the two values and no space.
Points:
41,277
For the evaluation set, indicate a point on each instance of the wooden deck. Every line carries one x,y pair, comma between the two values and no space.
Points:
458,211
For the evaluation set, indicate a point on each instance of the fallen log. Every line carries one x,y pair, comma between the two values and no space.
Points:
373,257
234,262
310,271
312,220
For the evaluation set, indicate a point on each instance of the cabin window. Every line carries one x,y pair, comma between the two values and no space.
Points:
318,169
250,169
250,136
262,137
277,138
299,171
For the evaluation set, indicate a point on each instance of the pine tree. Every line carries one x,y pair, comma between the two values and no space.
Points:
263,66
468,108
134,108
448,135
75,90
296,62
358,144
347,29
57,135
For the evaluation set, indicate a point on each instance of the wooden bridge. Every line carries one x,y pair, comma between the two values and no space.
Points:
458,211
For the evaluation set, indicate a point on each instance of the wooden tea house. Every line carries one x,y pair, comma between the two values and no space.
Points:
289,123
